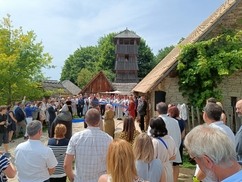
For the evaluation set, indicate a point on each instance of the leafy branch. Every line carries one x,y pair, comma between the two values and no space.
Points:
203,65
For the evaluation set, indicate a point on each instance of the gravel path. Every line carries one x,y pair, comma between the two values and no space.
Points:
185,174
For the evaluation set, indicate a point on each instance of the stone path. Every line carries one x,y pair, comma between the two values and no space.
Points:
185,174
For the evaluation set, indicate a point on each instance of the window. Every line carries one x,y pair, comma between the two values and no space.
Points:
126,57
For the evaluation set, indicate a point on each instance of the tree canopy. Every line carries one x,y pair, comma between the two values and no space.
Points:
202,66
163,52
21,62
107,52
83,57
92,59
146,59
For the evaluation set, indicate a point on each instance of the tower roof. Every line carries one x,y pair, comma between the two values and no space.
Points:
127,34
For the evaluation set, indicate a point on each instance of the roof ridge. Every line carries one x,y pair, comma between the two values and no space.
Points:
168,63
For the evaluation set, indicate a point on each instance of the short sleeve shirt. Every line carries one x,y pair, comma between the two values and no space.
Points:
4,163
33,159
90,149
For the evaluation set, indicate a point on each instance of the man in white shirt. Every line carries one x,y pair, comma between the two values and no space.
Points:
174,131
88,148
34,161
211,116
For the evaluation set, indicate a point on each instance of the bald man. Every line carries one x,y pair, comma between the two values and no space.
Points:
238,137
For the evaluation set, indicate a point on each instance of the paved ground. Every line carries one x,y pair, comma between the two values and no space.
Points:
185,174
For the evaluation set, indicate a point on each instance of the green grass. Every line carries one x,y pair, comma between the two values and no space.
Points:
21,134
186,161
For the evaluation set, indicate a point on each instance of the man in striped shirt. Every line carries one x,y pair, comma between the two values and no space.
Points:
6,169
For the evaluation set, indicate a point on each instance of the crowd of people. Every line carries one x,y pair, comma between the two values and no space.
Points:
133,155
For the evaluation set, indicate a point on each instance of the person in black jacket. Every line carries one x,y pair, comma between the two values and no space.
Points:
11,123
142,107
81,104
3,128
52,114
20,116
64,117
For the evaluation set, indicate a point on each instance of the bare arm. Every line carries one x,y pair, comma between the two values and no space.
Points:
10,171
103,178
68,166
163,176
173,158
223,118
51,170
13,118
183,134
2,123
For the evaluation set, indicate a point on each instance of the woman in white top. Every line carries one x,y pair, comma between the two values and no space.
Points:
164,146
148,168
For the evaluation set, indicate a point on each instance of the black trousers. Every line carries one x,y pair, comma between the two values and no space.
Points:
63,179
81,110
142,122
102,109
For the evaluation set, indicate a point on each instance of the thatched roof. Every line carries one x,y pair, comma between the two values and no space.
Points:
228,16
124,87
71,87
66,87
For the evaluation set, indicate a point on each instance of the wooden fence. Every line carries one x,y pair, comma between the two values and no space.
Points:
195,118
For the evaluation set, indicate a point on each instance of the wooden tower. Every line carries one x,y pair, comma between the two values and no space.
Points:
126,52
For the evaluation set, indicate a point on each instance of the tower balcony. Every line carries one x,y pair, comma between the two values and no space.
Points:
126,65
126,49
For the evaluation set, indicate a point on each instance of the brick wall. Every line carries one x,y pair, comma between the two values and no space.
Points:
171,87
230,87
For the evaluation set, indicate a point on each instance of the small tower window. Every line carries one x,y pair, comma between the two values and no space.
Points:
126,57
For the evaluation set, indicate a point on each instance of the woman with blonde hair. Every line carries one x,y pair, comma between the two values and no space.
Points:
120,163
148,168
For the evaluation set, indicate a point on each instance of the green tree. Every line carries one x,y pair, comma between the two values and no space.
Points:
162,53
84,76
146,59
84,57
21,62
203,65
102,57
107,52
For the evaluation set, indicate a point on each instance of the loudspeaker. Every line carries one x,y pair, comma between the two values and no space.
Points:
160,96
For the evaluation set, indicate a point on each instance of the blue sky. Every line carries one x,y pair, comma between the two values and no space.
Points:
65,25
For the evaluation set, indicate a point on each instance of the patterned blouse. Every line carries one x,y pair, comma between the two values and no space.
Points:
123,135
